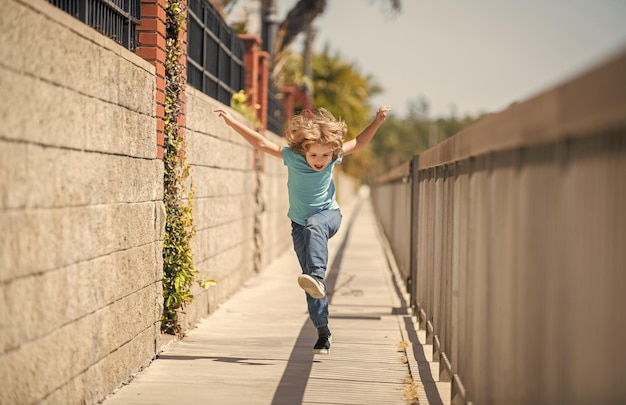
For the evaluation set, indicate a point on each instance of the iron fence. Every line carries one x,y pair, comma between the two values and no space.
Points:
215,53
275,112
117,19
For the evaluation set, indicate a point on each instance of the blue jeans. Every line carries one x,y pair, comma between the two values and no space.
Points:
311,245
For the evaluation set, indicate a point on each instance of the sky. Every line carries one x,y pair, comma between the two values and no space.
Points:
466,56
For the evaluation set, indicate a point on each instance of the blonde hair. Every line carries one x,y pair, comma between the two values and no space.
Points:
321,127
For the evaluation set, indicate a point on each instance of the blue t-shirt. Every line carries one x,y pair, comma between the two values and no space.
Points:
309,191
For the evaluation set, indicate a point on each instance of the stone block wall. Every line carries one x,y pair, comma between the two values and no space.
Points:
240,204
81,209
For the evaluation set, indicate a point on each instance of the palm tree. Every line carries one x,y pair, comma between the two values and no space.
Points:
339,87
342,89
298,20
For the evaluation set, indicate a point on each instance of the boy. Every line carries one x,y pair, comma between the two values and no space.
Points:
315,146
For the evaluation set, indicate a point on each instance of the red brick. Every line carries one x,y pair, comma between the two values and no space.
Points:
147,39
151,53
160,97
160,111
148,53
160,83
153,10
152,25
160,54
160,69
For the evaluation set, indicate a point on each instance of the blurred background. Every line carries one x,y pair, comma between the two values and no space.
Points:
440,65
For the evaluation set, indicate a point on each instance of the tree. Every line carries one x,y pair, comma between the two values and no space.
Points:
400,139
341,88
299,20
338,86
396,142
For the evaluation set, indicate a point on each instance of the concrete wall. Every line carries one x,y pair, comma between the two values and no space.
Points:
80,209
240,212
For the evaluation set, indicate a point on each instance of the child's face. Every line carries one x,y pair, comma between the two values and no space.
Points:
319,156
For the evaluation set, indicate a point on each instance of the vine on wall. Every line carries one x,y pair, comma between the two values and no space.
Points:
179,271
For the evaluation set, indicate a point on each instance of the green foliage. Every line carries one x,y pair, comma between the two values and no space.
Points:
399,139
179,271
239,102
338,86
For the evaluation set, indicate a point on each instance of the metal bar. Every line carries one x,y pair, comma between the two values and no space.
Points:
414,173
106,17
124,13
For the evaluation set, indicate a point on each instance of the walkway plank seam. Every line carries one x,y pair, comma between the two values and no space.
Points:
257,347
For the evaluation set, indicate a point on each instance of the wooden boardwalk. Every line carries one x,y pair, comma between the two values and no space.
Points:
257,347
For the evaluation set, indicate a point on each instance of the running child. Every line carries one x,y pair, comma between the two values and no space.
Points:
315,145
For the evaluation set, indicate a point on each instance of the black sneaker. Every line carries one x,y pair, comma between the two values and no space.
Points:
312,285
322,346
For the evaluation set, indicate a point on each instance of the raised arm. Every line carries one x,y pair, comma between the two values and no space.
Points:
365,136
255,139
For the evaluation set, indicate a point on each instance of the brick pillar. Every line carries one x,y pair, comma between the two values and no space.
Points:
263,81
289,101
152,48
182,121
294,98
304,100
252,48
256,65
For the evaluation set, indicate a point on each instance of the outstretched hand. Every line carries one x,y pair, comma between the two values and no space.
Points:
381,114
224,114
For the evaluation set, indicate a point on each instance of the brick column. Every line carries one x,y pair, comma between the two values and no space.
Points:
182,121
263,81
256,65
252,48
294,98
289,103
152,48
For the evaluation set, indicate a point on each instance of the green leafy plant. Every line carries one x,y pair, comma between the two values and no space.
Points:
179,271
239,103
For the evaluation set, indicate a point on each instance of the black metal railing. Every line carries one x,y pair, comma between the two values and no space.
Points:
117,19
275,111
214,53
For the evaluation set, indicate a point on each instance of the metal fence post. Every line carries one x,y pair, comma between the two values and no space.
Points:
414,173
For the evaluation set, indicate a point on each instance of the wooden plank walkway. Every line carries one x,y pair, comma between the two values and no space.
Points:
257,347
